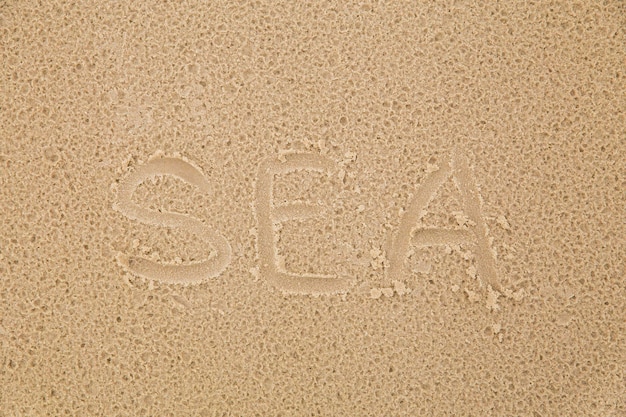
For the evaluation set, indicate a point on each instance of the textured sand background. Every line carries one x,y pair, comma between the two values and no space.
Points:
358,209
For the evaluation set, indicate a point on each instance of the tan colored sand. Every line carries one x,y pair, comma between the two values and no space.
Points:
333,209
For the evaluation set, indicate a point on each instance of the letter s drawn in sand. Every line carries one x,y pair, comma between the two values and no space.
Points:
267,215
164,272
476,234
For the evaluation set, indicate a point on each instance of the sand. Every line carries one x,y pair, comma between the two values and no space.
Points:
321,209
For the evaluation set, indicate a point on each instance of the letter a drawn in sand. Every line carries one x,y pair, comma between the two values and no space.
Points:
164,272
475,235
268,215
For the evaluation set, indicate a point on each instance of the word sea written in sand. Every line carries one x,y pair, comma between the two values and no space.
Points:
269,215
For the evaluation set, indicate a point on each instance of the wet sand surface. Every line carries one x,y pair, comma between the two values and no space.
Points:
332,208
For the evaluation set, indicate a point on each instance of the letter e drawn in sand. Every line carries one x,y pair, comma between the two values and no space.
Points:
164,272
476,234
267,215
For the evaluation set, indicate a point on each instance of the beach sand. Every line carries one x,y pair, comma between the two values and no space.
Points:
320,209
